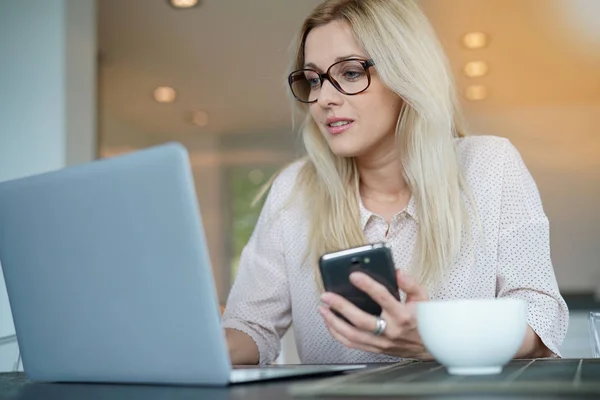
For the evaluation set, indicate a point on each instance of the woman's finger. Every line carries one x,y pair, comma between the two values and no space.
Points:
350,336
359,318
379,293
414,292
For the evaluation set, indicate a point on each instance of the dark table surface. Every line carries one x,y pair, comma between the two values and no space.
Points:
15,386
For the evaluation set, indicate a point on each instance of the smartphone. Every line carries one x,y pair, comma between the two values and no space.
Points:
374,260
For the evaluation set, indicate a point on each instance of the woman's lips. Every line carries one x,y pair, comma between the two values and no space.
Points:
339,125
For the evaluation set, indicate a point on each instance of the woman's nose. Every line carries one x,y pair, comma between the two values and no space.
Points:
328,95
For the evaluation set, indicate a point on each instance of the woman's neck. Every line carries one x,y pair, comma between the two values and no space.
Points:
381,178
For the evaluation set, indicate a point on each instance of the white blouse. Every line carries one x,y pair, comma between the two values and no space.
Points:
275,284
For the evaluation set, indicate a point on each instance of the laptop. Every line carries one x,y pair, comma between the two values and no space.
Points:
109,279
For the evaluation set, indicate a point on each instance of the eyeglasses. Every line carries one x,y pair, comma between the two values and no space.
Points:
349,77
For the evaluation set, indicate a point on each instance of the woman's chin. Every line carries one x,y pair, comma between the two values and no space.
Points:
344,149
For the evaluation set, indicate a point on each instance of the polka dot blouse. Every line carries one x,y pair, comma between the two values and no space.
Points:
275,284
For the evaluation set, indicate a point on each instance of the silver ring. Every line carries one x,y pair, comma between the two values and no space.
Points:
381,324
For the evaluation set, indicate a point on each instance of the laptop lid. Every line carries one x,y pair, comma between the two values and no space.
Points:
108,274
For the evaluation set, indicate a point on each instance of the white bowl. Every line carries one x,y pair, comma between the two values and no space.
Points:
472,336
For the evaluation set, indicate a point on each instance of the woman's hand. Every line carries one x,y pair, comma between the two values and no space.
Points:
399,338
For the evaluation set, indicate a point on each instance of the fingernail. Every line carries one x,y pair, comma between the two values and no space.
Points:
356,277
326,298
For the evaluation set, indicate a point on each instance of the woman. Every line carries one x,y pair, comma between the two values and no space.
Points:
388,160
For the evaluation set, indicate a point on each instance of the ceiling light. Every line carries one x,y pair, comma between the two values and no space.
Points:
475,69
475,40
184,3
164,94
200,118
476,92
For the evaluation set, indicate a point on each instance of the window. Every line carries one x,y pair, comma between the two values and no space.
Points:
243,185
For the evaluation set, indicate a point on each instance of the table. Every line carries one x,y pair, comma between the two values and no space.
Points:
15,386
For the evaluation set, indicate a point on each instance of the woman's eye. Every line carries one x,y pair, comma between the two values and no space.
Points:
314,82
352,75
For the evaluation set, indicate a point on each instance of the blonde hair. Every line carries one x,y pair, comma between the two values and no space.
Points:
410,61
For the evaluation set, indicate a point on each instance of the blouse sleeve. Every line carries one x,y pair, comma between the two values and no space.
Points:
259,301
525,268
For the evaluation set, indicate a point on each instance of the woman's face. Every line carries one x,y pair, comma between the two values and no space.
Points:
353,125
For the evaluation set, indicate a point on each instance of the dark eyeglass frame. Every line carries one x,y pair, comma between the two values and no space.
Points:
366,64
